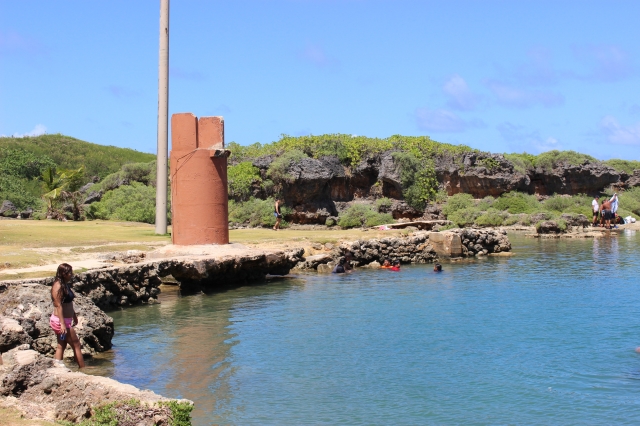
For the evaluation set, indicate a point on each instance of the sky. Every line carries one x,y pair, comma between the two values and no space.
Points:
499,76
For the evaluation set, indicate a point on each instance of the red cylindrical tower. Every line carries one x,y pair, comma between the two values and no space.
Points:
199,194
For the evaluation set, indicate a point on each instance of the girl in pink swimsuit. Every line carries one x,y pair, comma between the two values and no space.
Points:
62,297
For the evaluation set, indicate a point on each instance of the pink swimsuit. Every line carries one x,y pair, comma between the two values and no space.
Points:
54,322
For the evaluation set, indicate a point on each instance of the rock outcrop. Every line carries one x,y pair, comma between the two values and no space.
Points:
24,319
324,187
192,266
40,389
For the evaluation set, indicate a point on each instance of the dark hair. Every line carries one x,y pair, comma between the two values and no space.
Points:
341,261
63,270
397,262
438,267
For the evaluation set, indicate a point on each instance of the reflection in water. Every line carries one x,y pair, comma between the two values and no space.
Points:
545,336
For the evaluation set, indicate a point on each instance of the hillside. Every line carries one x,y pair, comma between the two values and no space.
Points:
70,153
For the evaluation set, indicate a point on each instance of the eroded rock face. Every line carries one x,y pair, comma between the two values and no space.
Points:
323,186
24,317
41,390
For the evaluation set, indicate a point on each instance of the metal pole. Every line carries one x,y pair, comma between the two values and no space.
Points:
163,120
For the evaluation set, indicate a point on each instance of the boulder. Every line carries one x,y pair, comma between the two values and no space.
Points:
41,389
8,209
26,214
548,227
576,220
633,180
24,316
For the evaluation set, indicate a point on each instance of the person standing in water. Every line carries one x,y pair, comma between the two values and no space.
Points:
64,316
277,214
437,267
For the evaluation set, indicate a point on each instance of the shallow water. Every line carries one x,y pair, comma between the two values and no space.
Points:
544,337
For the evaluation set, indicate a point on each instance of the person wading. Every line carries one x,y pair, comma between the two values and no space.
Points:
64,316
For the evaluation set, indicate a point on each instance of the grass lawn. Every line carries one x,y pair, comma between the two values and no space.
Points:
12,417
28,243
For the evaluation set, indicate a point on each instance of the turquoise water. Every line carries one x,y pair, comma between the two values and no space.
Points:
544,337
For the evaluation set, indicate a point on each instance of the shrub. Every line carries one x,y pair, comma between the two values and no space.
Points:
419,183
279,169
383,204
457,202
21,192
241,177
135,203
627,166
256,212
464,217
491,218
485,203
144,173
362,215
550,159
577,204
521,162
511,220
516,202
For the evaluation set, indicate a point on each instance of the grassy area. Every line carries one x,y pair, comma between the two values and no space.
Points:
12,417
26,243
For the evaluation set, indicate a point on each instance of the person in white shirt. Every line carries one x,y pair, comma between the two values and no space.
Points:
595,206
614,208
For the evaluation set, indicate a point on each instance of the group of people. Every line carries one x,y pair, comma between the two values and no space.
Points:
605,214
344,265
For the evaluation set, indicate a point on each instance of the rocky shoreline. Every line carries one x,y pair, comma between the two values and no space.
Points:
25,306
34,385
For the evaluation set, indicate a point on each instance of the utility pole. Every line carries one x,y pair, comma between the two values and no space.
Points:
163,121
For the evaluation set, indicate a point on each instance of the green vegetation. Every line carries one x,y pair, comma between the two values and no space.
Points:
516,202
279,170
359,215
418,179
70,153
115,413
46,172
132,203
627,166
241,177
518,208
256,212
547,160
180,413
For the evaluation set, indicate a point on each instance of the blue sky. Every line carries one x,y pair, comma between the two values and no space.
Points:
501,76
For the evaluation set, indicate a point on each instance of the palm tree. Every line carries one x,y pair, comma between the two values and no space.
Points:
63,185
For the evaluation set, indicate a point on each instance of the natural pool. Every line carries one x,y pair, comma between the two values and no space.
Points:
544,337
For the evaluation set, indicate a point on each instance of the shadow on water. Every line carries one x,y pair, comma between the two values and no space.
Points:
545,336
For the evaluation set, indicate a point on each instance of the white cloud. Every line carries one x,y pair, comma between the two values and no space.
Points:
521,98
441,120
37,131
122,92
606,62
618,134
522,139
316,55
460,97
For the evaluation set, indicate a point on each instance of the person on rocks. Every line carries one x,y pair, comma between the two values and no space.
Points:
595,206
339,268
64,317
437,267
386,264
614,209
277,214
396,266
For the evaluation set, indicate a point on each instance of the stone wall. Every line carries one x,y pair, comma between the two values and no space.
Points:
420,247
